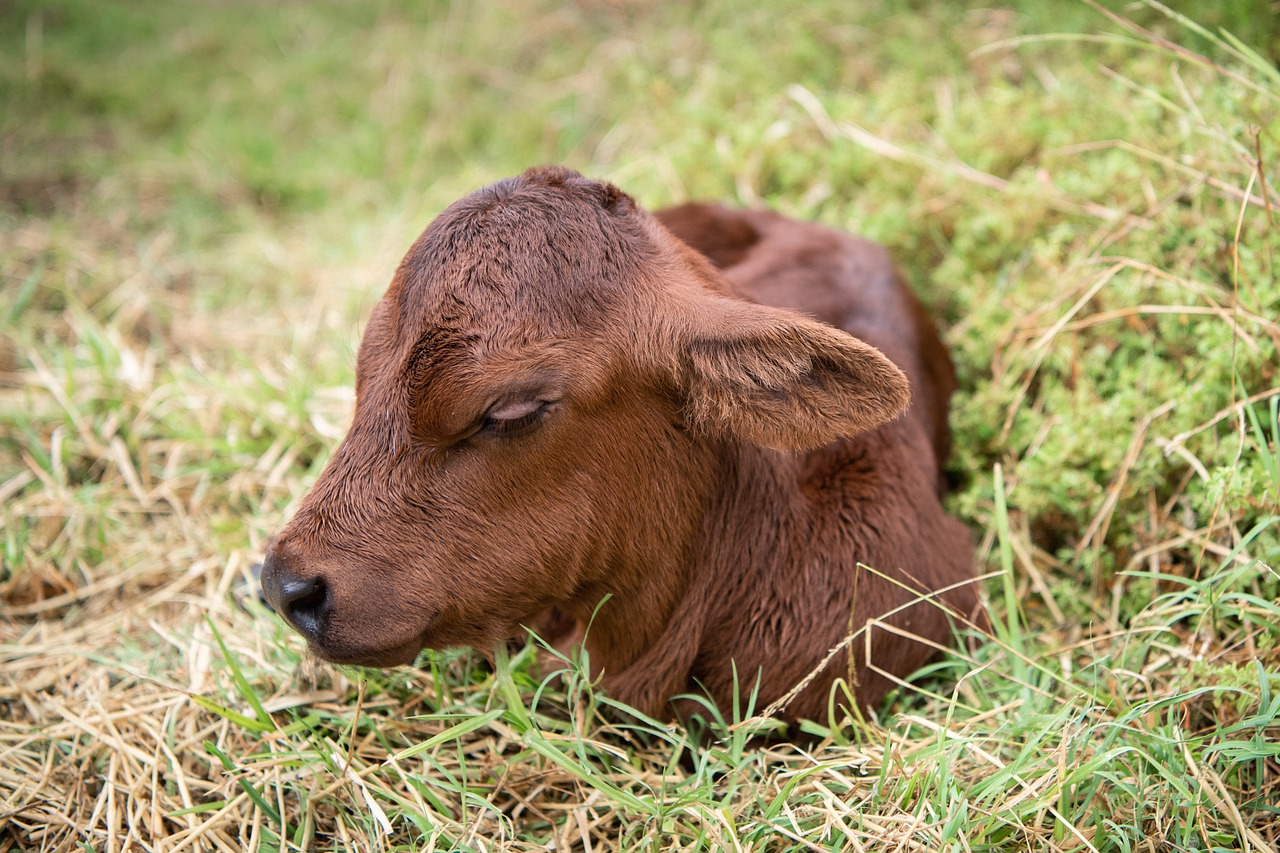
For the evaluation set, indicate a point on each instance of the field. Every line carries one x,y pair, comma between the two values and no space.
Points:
200,202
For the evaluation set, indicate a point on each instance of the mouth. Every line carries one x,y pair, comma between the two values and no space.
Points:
436,636
323,645
401,655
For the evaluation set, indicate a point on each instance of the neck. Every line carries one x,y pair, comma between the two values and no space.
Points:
692,555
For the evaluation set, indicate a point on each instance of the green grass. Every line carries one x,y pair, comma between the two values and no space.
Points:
199,203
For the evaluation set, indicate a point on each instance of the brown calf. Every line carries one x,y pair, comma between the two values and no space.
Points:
557,401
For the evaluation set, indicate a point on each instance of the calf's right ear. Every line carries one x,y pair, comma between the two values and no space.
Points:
777,379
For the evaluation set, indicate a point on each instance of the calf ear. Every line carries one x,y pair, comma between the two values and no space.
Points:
774,378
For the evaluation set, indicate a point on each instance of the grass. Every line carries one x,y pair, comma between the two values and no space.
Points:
198,214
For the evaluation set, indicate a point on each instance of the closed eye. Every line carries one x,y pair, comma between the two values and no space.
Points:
509,420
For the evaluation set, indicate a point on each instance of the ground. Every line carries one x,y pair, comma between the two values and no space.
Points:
200,202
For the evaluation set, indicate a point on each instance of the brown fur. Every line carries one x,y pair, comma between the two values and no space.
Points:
558,401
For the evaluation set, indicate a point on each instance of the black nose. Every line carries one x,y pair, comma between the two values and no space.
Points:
303,602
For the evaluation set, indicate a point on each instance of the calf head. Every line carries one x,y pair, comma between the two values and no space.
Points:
540,398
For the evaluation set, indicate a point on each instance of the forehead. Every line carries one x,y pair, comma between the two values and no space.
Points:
518,262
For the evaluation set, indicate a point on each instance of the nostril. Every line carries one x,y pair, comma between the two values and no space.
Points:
305,603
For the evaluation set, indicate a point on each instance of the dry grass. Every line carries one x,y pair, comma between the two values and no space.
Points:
1097,221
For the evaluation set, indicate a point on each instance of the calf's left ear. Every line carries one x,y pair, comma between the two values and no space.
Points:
774,378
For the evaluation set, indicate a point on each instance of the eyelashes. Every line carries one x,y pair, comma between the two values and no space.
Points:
513,421
506,419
